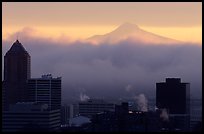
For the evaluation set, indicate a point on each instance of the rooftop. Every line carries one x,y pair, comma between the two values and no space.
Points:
17,47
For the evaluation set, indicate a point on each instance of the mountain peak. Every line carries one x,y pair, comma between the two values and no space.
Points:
134,33
127,28
129,25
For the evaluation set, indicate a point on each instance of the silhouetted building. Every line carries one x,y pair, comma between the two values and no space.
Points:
30,117
46,90
174,96
123,120
3,96
122,109
16,73
94,106
196,113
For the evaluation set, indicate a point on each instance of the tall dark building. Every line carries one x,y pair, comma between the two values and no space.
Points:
174,96
16,73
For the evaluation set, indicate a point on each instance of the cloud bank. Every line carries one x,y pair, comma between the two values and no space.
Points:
104,70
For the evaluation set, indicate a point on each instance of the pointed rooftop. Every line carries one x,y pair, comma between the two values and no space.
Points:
17,47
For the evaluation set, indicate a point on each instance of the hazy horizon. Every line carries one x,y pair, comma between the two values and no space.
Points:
98,71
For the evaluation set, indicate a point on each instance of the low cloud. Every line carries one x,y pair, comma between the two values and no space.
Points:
103,70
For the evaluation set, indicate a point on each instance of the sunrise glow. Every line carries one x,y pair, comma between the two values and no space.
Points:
89,19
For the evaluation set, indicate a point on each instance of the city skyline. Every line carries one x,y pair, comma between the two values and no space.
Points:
102,67
127,56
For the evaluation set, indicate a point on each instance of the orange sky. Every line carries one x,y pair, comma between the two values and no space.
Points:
181,21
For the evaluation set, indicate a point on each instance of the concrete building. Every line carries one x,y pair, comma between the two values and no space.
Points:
46,90
30,117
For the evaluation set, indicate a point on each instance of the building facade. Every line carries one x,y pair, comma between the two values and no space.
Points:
30,117
16,72
94,106
174,96
46,90
65,114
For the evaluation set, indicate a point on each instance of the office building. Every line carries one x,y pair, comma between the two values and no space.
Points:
174,96
29,104
93,106
46,90
30,117
16,73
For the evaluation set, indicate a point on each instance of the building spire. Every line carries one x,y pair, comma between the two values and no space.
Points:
17,37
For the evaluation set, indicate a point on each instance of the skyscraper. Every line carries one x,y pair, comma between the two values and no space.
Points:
46,90
19,113
174,96
16,73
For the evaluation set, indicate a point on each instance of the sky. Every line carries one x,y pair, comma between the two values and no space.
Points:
54,33
178,20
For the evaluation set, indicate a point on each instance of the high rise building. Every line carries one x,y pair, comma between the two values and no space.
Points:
29,104
16,73
173,95
46,90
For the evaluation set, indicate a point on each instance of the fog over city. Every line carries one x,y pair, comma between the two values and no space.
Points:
107,71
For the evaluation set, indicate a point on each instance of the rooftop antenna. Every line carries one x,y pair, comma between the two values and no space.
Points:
17,35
